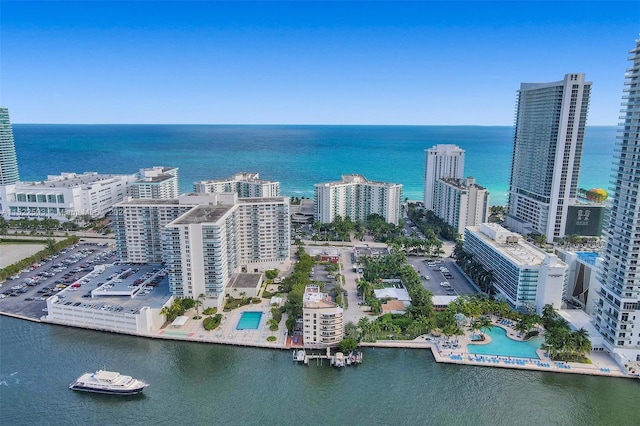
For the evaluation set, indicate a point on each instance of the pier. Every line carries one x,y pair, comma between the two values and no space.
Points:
336,360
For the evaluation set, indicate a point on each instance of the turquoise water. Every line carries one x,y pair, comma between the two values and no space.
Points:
297,156
588,257
501,345
249,321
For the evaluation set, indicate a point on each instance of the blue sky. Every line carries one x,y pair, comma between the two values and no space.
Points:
304,62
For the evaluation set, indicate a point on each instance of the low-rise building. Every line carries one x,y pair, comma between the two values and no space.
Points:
321,319
522,273
64,197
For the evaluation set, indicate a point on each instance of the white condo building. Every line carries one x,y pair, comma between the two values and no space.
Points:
138,226
321,319
618,306
460,202
205,239
522,273
441,161
156,182
65,196
244,183
547,150
356,197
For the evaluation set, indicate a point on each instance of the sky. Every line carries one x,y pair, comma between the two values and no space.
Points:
417,63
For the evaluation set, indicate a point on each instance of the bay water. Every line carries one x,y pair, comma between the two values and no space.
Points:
195,383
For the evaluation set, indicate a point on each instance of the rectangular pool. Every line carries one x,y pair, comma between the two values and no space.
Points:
249,321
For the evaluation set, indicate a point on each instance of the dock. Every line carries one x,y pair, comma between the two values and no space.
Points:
337,360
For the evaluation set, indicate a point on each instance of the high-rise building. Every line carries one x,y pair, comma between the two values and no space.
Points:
204,238
441,161
244,183
460,202
547,149
156,182
618,307
356,197
8,160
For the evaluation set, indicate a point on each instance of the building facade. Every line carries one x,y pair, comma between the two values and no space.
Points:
618,305
65,197
441,161
245,184
138,226
460,202
547,150
522,273
356,197
322,319
8,159
205,239
156,182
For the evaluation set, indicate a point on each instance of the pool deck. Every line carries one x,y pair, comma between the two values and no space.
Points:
227,333
602,364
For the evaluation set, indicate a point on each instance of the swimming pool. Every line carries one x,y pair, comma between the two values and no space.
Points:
249,321
501,345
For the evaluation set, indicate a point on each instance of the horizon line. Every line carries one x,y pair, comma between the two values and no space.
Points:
285,124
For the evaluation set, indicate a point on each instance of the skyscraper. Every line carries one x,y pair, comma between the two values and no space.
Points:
618,308
441,161
8,159
547,149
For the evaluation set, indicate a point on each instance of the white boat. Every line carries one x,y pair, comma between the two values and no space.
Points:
338,359
109,382
299,355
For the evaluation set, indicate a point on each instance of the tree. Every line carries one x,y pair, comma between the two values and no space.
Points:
199,302
347,345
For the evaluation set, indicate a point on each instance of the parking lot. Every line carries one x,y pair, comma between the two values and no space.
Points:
25,294
442,277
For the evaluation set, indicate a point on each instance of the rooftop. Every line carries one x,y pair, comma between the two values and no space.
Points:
71,180
203,214
509,244
115,288
245,281
238,177
314,298
149,201
356,179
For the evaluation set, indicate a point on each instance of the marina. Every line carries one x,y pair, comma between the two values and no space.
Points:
338,359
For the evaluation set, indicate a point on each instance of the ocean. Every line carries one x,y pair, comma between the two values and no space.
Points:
296,156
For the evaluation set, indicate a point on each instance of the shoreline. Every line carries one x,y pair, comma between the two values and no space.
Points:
450,356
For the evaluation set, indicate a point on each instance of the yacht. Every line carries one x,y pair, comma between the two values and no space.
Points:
110,382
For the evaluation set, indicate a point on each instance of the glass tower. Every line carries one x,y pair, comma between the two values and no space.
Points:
8,159
618,304
547,149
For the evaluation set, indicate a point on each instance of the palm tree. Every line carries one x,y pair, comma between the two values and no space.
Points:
484,322
199,302
581,341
